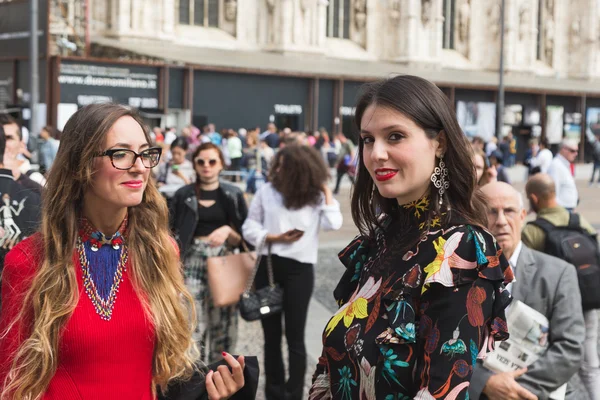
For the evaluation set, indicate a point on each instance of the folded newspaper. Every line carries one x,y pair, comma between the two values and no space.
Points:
528,340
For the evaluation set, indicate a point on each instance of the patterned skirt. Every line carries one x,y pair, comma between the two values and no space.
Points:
217,326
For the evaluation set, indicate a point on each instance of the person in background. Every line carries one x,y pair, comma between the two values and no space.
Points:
541,193
546,284
267,151
225,147
512,149
532,150
159,137
49,146
206,218
497,162
215,138
272,134
491,146
289,211
20,209
21,168
191,134
477,143
485,173
312,138
273,139
242,134
170,136
344,160
595,143
542,158
104,230
235,149
178,171
567,194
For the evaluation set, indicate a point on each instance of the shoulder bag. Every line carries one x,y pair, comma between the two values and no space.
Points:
263,302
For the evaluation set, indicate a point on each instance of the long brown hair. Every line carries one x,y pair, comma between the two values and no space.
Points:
155,267
298,173
425,104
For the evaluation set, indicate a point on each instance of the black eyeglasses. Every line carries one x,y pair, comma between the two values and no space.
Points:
124,159
201,162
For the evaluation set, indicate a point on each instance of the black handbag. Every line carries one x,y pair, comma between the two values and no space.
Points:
265,301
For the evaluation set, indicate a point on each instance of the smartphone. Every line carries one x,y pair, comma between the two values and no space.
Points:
298,231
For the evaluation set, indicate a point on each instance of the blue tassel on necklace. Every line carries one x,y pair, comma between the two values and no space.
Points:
103,265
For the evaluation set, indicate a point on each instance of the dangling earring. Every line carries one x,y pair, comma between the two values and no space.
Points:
440,179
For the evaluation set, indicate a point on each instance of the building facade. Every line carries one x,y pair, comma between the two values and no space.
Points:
301,63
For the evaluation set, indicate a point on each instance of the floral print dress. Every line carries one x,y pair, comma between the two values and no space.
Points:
412,323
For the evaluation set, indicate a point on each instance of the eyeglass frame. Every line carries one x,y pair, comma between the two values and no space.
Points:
110,152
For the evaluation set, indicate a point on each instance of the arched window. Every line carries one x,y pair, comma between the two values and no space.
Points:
199,12
338,19
449,23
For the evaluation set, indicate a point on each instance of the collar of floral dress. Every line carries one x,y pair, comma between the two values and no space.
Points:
419,211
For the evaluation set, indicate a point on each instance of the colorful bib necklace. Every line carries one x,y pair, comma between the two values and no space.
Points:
103,261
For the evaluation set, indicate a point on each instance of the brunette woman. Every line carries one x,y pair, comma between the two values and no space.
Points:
207,218
66,334
289,211
422,296
484,172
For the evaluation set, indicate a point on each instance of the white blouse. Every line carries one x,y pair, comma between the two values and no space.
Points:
268,214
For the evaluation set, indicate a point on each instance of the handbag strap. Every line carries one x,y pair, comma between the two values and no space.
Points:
252,277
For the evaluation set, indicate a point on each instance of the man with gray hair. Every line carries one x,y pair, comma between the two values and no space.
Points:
560,171
544,283
541,235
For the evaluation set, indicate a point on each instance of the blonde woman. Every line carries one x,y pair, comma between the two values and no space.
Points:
66,334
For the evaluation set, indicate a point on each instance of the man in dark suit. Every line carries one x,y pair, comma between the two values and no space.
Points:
544,283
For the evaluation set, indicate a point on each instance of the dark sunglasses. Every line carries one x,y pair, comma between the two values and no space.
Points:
201,162
573,150
124,159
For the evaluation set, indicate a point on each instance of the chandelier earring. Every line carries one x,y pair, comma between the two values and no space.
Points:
440,179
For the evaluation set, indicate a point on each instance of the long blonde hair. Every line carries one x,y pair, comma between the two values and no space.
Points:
155,267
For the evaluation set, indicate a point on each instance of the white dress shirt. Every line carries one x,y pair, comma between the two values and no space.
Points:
513,264
566,190
543,160
268,214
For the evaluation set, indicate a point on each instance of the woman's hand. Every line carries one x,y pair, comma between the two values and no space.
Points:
328,194
291,236
219,236
223,384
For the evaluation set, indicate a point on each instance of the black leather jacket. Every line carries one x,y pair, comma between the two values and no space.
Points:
183,212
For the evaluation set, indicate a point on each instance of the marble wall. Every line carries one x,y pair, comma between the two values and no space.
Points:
565,44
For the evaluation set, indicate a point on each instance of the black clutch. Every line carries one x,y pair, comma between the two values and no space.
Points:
195,387
265,301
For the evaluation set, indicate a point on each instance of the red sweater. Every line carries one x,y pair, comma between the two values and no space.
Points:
97,359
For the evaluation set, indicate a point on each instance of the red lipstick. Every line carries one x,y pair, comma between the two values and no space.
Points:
385,174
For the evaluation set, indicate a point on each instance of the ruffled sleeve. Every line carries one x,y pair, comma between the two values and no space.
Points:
354,257
461,310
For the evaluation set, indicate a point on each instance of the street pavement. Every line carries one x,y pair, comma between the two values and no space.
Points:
329,270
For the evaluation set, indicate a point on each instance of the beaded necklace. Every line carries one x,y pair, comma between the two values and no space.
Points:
103,261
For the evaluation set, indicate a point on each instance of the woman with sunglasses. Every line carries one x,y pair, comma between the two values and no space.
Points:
95,305
207,218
